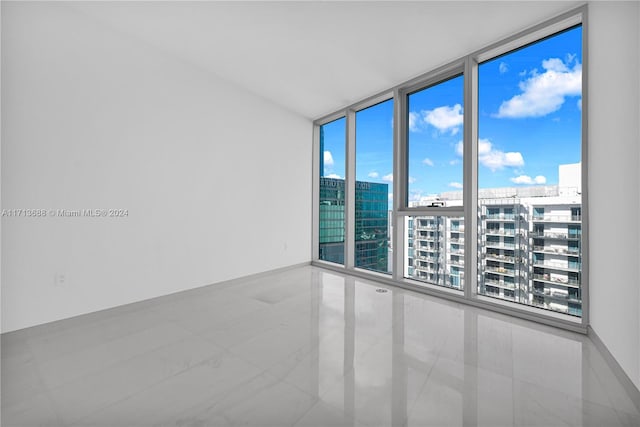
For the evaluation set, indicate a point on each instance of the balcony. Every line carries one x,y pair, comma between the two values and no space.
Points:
456,240
501,270
557,265
557,218
429,258
428,248
559,236
459,262
429,270
550,294
500,245
557,251
495,232
501,258
556,280
429,227
497,283
501,217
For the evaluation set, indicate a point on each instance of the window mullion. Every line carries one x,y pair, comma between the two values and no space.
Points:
399,193
315,220
470,190
350,190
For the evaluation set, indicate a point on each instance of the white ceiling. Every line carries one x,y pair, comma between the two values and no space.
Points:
315,57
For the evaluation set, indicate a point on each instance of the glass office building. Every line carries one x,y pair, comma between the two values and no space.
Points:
372,224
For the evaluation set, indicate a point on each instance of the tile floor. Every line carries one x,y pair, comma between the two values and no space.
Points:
305,347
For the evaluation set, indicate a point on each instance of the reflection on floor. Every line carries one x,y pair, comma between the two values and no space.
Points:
305,347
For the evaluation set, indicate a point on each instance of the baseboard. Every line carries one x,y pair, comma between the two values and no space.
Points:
92,315
256,275
620,374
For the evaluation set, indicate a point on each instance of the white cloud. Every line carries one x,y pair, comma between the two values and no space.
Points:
455,185
503,67
328,158
544,93
454,162
427,162
333,175
414,119
527,180
388,178
445,118
579,104
484,147
412,180
555,64
373,174
492,158
497,159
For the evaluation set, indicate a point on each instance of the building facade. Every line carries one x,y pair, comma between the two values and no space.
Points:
372,224
529,245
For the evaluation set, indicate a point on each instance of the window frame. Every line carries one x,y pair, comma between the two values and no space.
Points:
468,67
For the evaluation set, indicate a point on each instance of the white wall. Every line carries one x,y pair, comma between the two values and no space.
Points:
614,160
216,180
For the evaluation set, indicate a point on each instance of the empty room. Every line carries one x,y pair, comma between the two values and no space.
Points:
320,213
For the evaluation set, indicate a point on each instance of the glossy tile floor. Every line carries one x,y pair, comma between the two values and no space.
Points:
305,347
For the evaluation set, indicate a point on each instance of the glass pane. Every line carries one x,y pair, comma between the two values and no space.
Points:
374,188
529,175
332,172
434,250
435,144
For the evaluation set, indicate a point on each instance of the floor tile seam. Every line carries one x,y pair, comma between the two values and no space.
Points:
419,393
319,396
178,320
598,378
545,409
115,338
360,421
422,388
570,396
265,370
229,347
122,361
140,390
97,318
58,326
315,400
620,414
44,390
155,384
35,365
601,383
54,407
224,394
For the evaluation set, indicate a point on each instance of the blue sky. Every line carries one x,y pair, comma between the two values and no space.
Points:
530,122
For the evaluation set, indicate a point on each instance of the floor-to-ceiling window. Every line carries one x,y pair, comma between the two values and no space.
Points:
529,173
332,191
480,164
373,187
